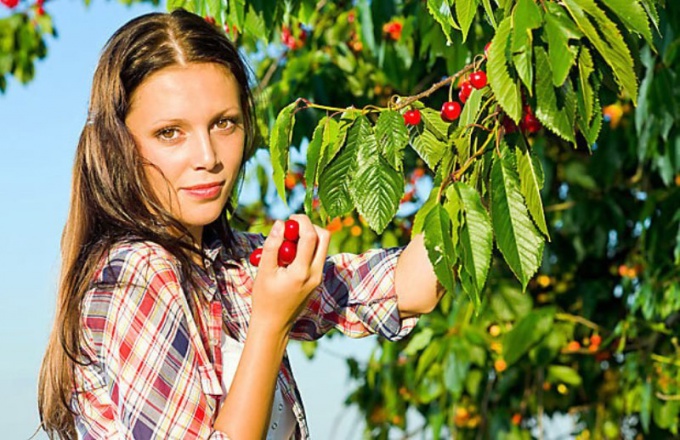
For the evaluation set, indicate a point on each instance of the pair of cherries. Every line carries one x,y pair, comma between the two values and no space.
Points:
288,249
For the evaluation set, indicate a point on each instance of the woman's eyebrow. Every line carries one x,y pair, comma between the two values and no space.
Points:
226,111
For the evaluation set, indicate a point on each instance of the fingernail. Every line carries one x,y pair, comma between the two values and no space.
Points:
277,229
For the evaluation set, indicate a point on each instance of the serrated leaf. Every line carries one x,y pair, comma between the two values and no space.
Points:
439,247
489,13
650,7
429,148
313,154
465,12
456,365
559,29
279,143
421,215
586,96
526,333
433,122
504,88
335,143
441,12
237,13
476,237
392,137
377,187
632,14
518,239
559,120
334,181
530,185
254,25
462,145
526,16
613,49
470,111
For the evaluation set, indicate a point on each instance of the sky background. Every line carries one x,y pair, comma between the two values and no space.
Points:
39,127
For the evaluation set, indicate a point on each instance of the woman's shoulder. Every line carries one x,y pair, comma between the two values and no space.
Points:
133,258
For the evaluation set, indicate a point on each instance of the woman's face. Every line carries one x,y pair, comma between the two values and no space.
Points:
188,122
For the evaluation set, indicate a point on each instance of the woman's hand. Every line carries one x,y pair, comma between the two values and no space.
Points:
280,293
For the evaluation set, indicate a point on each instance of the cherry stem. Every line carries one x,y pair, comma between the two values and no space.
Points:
577,319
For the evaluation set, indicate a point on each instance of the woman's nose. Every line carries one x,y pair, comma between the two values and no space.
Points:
204,155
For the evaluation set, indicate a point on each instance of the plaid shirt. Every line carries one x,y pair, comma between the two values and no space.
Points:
155,372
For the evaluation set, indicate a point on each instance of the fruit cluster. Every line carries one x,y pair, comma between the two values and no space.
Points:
450,110
288,249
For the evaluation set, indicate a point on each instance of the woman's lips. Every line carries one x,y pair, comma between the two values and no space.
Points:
205,191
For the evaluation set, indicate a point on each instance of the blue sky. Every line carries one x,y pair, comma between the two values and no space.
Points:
40,124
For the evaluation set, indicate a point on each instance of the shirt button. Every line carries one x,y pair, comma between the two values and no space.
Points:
280,406
275,425
215,342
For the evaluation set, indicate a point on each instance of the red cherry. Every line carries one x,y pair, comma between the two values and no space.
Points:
10,3
478,79
486,49
210,19
450,111
291,230
412,117
40,10
287,253
256,256
465,90
509,125
530,123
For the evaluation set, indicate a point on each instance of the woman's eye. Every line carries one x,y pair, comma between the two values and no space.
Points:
224,124
168,134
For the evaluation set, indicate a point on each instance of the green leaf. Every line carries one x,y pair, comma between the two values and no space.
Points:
456,365
419,341
518,239
526,333
564,374
471,108
392,137
508,303
585,69
439,247
559,120
366,22
419,220
215,9
279,143
429,148
441,12
334,181
530,184
632,14
489,13
476,238
376,189
646,404
526,16
504,88
433,122
255,25
465,12
335,142
613,49
313,154
174,4
559,29
237,13
650,7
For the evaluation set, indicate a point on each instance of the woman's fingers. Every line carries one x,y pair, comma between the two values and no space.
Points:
324,238
270,247
306,244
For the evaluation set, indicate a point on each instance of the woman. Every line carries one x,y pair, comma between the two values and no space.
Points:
163,328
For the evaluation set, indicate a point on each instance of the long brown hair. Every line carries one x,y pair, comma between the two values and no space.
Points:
111,200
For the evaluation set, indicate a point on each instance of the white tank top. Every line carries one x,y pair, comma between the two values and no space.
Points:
282,422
